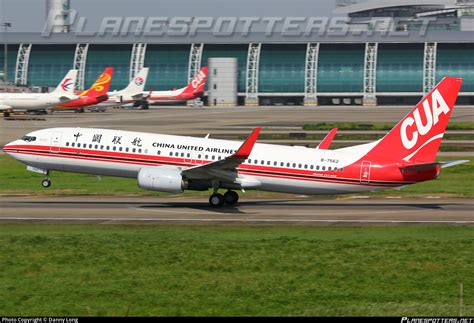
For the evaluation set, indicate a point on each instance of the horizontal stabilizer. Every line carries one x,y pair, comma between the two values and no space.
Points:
454,163
65,99
432,166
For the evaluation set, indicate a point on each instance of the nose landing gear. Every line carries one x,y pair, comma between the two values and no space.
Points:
46,183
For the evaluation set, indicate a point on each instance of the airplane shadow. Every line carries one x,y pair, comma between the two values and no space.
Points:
245,207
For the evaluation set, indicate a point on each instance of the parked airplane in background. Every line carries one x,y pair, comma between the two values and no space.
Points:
131,94
63,93
195,89
94,95
165,163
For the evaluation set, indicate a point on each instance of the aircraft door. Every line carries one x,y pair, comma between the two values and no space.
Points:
365,172
55,142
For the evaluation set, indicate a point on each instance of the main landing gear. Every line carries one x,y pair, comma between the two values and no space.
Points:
46,183
229,198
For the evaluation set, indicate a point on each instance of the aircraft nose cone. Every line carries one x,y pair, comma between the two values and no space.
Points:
6,149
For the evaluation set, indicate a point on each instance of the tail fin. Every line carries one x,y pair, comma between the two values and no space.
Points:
66,87
101,85
137,85
417,137
197,84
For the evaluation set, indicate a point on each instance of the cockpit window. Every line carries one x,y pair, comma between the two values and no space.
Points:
28,138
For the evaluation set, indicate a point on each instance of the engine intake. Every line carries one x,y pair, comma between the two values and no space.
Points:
161,178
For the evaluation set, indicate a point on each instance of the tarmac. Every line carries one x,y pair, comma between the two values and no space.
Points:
219,122
287,210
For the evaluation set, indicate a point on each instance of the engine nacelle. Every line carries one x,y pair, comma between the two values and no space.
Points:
161,178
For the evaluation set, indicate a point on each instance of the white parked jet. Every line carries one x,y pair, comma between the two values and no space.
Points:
131,94
63,93
165,163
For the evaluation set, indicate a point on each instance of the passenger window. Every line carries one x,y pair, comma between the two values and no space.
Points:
140,151
294,165
282,164
341,170
67,144
329,168
73,144
108,147
275,164
305,166
84,145
120,148
158,152
207,157
126,149
299,166
287,164
171,153
96,146
114,148
188,155
134,150
324,167
199,156
262,162
311,166
317,167
101,147
182,154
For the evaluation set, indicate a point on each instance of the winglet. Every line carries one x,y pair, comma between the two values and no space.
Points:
326,142
246,148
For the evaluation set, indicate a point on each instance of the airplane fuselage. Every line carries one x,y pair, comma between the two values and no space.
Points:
269,167
28,101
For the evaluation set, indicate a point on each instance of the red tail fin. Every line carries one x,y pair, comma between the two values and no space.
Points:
417,137
198,83
101,85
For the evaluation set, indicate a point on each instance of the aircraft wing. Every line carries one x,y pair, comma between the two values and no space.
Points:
224,169
138,96
5,107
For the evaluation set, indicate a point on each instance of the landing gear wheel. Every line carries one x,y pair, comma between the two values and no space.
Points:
216,200
231,198
46,183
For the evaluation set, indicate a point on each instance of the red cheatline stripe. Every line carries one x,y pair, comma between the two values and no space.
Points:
153,161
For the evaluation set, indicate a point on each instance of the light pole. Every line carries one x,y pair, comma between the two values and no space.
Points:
5,53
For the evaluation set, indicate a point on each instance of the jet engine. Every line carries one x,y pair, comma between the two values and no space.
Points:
161,178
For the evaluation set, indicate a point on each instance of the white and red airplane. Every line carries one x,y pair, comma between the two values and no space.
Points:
165,163
194,90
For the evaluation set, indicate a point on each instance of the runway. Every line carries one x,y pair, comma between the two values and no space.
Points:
270,211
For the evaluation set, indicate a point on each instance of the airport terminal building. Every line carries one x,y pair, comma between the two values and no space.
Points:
364,67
